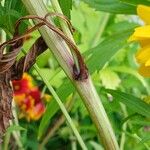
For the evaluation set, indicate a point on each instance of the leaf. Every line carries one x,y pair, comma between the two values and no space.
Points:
133,72
145,139
14,128
121,26
137,2
109,78
12,10
131,101
96,146
52,107
66,6
112,6
103,52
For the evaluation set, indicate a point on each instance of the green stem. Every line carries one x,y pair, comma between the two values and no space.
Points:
45,87
138,138
102,24
63,24
73,142
17,138
122,141
60,120
85,88
6,141
135,136
62,107
124,127
15,120
65,28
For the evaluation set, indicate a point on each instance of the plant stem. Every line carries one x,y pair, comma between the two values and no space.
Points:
85,88
102,24
17,138
73,142
65,28
62,107
124,127
63,24
15,121
135,136
122,141
6,141
138,138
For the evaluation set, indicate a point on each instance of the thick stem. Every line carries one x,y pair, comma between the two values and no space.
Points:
85,88
65,28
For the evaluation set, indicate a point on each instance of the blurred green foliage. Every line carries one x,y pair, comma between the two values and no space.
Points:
111,62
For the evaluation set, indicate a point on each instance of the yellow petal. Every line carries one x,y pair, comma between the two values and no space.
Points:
147,63
144,13
132,38
144,71
143,55
142,32
144,42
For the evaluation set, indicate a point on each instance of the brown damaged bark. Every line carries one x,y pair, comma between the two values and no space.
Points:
14,71
11,69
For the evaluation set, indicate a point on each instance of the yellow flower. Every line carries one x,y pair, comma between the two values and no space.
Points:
142,35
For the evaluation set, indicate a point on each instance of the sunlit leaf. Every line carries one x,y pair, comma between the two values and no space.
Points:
109,79
66,6
103,52
9,13
137,2
134,103
112,6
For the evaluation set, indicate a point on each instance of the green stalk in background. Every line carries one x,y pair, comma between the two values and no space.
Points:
85,88
63,109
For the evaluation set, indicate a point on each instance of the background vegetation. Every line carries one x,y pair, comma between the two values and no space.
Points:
101,32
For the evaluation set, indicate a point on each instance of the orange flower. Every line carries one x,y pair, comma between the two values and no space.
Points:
32,105
22,86
29,98
35,94
37,111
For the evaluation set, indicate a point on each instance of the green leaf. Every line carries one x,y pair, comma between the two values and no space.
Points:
137,2
145,139
66,6
96,146
12,10
109,78
52,106
106,49
14,128
112,6
121,26
133,72
134,103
